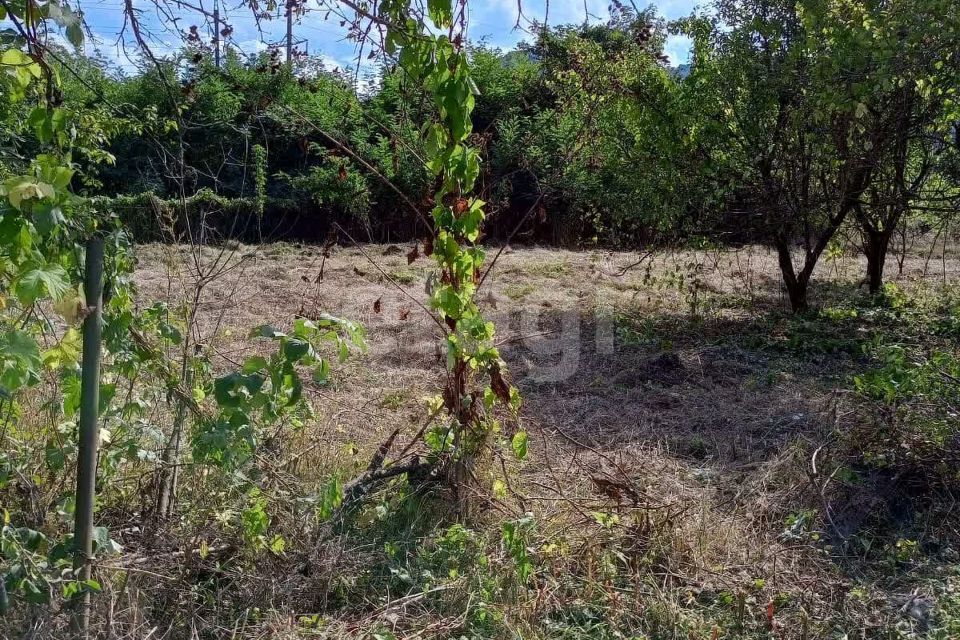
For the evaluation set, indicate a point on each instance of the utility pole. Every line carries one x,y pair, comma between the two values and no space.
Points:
216,33
290,5
89,431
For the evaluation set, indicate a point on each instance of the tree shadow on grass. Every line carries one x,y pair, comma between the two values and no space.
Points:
726,388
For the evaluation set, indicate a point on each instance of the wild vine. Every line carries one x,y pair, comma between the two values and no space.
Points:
476,378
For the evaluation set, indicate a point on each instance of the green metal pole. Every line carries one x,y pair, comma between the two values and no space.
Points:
89,431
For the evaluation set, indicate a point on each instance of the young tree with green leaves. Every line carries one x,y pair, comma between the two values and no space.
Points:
902,60
802,142
436,58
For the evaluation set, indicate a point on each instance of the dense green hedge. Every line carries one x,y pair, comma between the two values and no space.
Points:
210,218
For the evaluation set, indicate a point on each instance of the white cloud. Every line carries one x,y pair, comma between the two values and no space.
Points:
677,48
251,46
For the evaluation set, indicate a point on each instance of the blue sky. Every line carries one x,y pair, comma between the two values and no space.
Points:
491,20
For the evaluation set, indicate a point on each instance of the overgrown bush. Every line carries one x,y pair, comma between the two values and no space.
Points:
910,393
914,399
209,218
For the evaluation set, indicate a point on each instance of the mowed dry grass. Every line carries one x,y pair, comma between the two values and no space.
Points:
661,376
658,368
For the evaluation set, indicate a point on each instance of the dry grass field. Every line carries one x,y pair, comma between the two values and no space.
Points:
677,417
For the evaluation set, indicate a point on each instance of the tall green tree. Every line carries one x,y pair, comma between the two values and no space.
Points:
790,82
903,62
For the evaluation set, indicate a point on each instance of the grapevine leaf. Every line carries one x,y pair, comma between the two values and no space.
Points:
66,352
38,280
20,361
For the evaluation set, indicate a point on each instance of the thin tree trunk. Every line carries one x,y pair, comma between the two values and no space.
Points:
170,458
169,461
875,249
796,285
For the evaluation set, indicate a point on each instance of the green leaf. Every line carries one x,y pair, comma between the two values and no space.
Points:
75,34
14,58
31,539
47,217
295,349
71,394
39,121
107,392
253,364
66,352
266,331
36,592
55,457
278,544
438,438
20,361
440,12
321,373
330,498
71,589
474,89
103,543
515,399
230,390
15,233
19,190
519,444
39,280
254,519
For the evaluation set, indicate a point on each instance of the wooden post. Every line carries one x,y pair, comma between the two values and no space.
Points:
89,430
